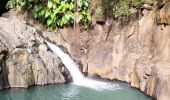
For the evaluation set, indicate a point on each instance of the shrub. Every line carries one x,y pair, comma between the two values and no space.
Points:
121,9
137,3
54,12
20,4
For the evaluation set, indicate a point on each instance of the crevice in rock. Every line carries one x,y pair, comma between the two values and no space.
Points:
160,6
3,70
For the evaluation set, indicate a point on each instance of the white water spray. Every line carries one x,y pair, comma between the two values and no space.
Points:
78,78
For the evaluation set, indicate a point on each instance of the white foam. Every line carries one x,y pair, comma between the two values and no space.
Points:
78,78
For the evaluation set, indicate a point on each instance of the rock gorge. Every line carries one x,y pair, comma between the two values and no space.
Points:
136,52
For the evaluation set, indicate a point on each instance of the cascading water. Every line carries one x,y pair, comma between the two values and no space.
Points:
78,78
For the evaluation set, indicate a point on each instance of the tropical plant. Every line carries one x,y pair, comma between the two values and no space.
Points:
54,12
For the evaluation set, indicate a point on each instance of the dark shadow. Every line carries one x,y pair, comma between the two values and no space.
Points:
3,72
107,6
3,6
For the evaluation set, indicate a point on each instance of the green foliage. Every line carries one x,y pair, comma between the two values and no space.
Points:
121,9
54,12
106,4
84,15
19,4
136,3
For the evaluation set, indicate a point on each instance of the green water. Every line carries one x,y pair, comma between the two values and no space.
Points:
72,92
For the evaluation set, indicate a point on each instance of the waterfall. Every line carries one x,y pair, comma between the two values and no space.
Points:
78,78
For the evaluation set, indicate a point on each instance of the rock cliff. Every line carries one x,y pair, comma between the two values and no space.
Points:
25,59
136,52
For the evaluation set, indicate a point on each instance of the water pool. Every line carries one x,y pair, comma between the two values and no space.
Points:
73,92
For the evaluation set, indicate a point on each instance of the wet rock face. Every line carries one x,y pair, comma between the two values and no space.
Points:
162,70
51,63
25,59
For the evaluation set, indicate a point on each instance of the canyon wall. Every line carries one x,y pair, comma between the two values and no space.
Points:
136,51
